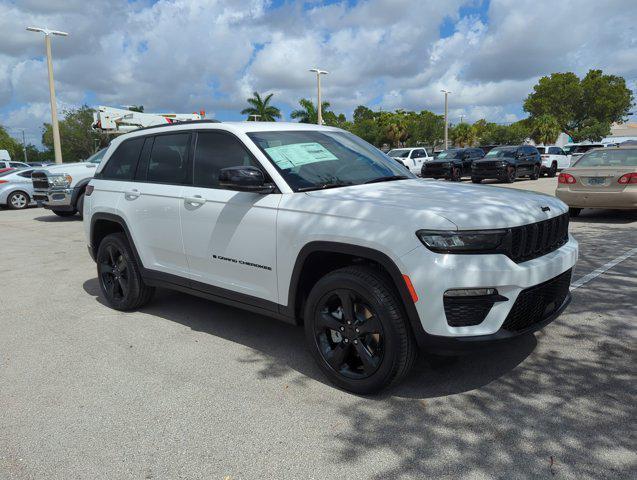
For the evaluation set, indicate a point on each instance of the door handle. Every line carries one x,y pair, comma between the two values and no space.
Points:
195,200
132,194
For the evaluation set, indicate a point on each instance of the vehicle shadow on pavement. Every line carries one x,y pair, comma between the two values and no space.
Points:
54,219
278,348
606,216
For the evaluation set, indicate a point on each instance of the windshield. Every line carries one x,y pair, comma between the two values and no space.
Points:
97,157
584,148
609,158
321,159
398,153
501,152
450,154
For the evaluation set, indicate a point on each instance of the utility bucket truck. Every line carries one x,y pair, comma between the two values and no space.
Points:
118,120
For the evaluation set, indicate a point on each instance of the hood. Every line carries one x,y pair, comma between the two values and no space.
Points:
69,167
466,206
505,158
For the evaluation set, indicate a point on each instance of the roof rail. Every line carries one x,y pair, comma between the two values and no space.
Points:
185,122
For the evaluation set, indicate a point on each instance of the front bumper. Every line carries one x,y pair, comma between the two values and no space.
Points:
623,199
55,199
436,171
489,172
433,274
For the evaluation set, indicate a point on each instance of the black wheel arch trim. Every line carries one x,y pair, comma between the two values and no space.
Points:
381,258
78,190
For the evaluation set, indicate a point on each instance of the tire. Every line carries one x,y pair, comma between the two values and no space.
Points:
64,213
80,205
511,175
18,200
456,176
339,346
118,274
552,171
476,180
536,173
574,212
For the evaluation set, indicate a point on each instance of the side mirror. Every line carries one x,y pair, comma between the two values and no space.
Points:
244,179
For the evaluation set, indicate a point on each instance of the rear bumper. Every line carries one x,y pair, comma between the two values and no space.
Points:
624,199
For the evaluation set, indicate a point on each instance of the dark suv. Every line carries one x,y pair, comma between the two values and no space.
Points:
452,164
507,164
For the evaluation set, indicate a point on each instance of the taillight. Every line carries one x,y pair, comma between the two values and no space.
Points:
89,190
628,178
4,181
566,178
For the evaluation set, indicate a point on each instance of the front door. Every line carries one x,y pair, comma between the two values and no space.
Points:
229,236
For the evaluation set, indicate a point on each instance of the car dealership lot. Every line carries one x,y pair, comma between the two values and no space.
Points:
186,388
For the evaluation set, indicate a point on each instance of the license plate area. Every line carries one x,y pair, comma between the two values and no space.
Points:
596,181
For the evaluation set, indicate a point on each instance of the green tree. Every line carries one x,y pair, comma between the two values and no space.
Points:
10,144
308,113
261,106
584,109
463,135
545,129
79,141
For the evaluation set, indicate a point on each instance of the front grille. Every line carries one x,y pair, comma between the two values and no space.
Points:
40,181
481,165
469,311
537,239
535,304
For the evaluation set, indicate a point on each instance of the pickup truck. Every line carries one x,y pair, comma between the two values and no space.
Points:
60,188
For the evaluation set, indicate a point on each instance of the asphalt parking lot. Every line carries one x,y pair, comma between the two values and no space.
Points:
186,388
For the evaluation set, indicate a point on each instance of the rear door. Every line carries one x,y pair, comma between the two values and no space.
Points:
229,236
151,203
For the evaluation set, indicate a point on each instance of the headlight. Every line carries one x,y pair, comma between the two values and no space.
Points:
478,241
60,180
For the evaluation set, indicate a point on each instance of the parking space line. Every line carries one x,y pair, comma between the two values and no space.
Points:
598,271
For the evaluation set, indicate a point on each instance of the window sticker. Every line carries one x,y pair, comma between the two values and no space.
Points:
298,154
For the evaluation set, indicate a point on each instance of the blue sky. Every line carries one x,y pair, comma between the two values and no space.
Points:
211,54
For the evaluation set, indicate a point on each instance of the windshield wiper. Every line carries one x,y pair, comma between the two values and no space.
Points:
388,178
323,186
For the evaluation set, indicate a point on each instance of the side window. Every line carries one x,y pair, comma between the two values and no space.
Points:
123,162
215,151
169,159
26,174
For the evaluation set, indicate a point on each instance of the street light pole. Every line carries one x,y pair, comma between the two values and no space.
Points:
24,147
319,72
446,119
54,114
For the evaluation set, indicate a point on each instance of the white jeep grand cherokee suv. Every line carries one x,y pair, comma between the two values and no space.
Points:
312,225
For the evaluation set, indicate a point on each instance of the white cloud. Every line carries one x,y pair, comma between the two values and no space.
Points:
186,55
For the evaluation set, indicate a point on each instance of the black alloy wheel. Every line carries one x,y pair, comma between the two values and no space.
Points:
114,274
119,276
552,171
357,331
455,174
536,173
511,174
348,334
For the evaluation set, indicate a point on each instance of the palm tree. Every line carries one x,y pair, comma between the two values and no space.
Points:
464,135
261,106
308,113
397,133
545,129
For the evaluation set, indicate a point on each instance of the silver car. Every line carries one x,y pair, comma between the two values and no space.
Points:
16,189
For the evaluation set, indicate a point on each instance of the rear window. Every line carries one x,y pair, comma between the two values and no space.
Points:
609,158
584,148
541,149
123,163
